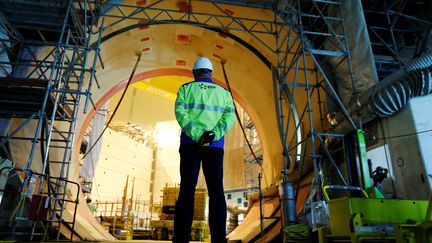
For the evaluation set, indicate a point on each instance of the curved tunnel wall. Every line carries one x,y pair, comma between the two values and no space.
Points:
250,80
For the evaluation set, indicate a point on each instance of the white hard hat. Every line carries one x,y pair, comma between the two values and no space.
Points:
203,63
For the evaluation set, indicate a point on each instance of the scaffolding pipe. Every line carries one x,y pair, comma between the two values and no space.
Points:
288,203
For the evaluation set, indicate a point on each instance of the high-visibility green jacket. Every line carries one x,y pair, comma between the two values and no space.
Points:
203,105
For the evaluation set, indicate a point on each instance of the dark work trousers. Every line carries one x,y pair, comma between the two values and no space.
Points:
191,156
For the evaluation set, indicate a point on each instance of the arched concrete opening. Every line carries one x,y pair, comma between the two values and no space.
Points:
248,68
250,79
119,87
157,73
249,75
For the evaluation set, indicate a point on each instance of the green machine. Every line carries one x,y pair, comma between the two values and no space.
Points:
372,217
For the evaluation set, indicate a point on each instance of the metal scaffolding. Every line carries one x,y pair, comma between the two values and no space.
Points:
302,35
252,166
316,34
399,31
51,60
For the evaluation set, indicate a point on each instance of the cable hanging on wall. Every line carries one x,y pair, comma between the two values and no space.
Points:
138,54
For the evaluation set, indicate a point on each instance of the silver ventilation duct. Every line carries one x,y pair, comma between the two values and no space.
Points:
390,95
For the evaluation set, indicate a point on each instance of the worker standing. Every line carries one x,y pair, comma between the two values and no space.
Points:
205,112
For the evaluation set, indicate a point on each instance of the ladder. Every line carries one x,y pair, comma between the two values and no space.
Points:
313,36
52,71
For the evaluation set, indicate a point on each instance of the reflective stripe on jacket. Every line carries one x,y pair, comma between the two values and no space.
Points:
202,106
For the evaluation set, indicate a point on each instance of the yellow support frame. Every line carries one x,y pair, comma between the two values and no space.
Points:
358,219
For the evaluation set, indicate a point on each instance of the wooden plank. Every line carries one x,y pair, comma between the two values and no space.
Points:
86,225
250,227
253,230
270,235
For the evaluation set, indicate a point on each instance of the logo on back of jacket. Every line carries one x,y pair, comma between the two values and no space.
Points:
206,86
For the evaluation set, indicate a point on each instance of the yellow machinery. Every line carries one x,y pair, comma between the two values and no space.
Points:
378,220
162,229
371,217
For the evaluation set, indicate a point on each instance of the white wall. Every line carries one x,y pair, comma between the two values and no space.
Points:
236,197
167,134
120,157
411,155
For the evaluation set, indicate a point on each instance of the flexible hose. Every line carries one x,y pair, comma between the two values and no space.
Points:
422,62
395,96
415,81
391,94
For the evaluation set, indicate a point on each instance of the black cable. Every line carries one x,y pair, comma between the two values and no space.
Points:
118,104
238,117
245,137
400,136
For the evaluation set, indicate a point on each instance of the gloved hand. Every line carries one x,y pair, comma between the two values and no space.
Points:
206,138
